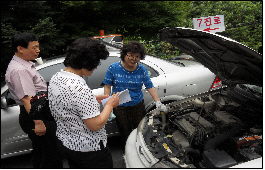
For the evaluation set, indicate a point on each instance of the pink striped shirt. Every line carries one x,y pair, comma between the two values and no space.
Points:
23,79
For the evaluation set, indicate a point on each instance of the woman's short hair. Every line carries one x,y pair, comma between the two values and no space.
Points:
85,53
23,39
134,47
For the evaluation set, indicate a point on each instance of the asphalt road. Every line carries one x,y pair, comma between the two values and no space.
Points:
23,161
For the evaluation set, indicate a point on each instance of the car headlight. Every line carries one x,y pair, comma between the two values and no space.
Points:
145,155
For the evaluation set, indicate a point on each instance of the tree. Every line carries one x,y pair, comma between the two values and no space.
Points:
243,19
58,23
130,18
21,16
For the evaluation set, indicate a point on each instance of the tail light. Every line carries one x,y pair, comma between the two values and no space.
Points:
217,83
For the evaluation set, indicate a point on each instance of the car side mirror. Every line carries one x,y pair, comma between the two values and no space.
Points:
3,103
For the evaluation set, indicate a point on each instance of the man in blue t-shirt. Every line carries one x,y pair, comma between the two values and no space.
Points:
130,74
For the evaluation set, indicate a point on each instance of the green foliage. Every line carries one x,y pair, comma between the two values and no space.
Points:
7,31
58,23
161,49
48,37
243,19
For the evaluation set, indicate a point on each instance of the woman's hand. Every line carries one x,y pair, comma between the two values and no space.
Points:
101,97
95,123
161,107
114,101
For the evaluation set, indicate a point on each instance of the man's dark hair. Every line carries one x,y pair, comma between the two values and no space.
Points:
134,47
23,39
85,53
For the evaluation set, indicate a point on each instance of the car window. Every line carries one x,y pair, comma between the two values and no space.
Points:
48,72
117,39
151,71
95,80
107,39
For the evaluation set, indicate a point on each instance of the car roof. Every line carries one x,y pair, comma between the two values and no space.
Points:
231,61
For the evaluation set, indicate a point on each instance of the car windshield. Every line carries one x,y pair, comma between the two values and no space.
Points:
107,39
184,60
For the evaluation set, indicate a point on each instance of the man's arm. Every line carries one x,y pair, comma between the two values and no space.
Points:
40,128
26,102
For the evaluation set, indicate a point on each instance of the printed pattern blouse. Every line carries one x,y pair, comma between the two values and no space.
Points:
71,101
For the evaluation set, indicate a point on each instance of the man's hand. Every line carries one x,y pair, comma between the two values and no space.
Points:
40,128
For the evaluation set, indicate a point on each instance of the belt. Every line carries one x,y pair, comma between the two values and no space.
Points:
37,97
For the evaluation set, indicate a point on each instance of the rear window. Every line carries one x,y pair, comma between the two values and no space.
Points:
48,72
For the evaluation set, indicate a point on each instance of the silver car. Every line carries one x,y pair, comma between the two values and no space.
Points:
172,80
220,128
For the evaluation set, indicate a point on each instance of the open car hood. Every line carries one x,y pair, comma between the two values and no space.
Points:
233,62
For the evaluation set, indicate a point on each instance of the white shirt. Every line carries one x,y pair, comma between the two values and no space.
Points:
71,101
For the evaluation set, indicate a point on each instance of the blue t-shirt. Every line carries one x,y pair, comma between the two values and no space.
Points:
122,79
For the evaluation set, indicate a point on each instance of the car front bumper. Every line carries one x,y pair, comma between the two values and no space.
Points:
131,158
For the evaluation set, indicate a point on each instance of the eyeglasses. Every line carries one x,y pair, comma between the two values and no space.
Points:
133,57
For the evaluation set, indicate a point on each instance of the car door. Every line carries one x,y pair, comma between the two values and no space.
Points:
13,138
94,82
158,78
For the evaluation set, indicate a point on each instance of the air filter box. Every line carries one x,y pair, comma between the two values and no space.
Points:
217,159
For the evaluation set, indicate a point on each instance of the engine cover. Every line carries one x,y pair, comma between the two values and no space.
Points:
190,121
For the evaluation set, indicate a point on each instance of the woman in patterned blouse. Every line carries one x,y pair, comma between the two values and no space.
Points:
80,124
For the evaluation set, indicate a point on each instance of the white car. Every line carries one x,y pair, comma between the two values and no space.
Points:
173,81
221,128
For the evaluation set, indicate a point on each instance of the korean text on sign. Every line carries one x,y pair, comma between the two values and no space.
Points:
210,24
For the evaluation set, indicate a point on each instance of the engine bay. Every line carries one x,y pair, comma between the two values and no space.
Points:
212,131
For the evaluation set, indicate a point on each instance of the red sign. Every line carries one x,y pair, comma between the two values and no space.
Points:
210,24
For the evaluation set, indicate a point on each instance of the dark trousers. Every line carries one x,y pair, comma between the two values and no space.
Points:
94,159
45,153
128,118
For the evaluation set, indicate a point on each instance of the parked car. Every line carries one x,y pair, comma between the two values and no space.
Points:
221,128
114,39
172,81
186,60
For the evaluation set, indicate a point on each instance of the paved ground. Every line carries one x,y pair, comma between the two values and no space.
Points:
23,161
117,154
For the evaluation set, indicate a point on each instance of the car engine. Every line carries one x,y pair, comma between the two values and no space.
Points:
217,130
